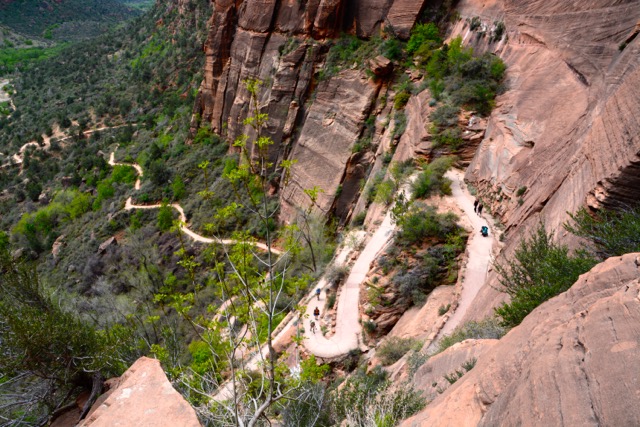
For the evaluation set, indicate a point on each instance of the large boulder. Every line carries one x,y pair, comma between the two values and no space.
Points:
142,396
571,362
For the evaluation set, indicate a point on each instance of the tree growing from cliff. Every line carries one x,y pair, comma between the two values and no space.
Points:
239,379
608,233
538,270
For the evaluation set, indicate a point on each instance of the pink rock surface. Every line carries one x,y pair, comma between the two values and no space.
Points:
571,362
143,396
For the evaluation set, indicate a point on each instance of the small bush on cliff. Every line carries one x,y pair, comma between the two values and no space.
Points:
538,270
367,399
488,328
612,233
421,222
392,349
432,180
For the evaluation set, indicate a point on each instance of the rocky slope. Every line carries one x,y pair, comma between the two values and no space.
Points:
142,396
571,362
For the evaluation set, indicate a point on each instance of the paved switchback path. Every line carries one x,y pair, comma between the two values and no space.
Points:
478,251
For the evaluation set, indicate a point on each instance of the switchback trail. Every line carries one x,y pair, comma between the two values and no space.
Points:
183,218
478,251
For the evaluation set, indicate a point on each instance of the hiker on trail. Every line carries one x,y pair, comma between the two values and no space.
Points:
312,327
318,293
475,205
316,313
484,230
480,209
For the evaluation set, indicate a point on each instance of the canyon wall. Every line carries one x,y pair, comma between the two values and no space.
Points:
317,122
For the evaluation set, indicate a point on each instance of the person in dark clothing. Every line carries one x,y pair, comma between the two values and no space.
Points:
318,293
475,205
316,313
313,327
480,209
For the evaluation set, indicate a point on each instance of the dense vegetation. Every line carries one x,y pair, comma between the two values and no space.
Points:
67,19
541,269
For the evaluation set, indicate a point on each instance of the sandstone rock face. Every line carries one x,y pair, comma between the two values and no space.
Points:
566,128
142,397
282,42
571,362
402,16
330,130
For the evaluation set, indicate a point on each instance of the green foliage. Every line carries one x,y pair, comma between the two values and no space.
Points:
178,188
385,192
421,222
369,399
45,347
401,100
165,217
432,180
11,58
311,371
399,124
538,270
521,191
123,174
39,229
610,233
393,348
423,34
79,18
349,50
488,328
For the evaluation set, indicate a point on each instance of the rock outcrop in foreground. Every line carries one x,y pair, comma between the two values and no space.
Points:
142,396
572,362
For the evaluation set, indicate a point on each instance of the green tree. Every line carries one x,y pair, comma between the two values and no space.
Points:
421,34
178,188
165,217
538,270
611,233
48,354
253,283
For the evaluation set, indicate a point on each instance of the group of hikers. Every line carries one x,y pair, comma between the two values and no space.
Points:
477,208
316,313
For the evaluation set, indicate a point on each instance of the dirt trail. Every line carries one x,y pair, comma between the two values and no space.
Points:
478,251
183,218
18,158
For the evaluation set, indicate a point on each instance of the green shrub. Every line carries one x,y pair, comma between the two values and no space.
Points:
521,191
399,124
369,400
385,191
421,34
610,233
165,217
443,309
538,270
401,99
488,328
393,348
432,180
422,221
